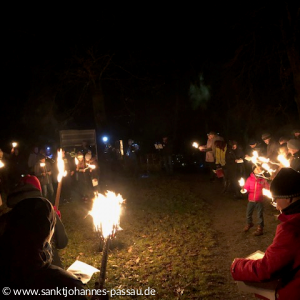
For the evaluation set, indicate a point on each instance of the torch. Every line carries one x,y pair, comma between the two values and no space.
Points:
196,145
14,144
242,183
61,174
283,161
268,194
106,213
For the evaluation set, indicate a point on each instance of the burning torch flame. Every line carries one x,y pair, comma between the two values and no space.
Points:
267,193
254,157
76,161
14,144
106,213
267,168
196,145
92,167
42,165
242,183
60,166
1,164
263,159
285,162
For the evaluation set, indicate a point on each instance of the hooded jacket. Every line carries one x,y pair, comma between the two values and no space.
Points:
281,259
26,191
254,186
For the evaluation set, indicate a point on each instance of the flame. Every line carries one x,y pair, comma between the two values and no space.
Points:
242,182
14,144
106,213
1,164
254,157
196,145
267,193
42,165
282,159
263,159
267,168
76,161
92,167
60,166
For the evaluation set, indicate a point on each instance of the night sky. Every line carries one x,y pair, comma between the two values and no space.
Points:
180,71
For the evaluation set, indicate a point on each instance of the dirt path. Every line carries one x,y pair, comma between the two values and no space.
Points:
228,220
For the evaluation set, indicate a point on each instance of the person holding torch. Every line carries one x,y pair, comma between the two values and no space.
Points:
281,260
254,187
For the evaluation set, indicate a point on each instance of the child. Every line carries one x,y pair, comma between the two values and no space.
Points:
254,186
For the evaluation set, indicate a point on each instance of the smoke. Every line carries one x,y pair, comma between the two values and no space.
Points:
199,93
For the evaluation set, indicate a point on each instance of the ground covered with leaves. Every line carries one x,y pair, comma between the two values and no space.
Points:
179,237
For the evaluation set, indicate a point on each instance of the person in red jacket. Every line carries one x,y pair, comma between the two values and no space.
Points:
281,260
254,186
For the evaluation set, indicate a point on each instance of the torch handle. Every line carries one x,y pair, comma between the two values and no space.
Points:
58,192
104,263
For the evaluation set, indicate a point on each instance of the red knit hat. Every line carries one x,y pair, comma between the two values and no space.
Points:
30,179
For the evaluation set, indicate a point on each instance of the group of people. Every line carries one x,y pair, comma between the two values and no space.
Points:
82,171
236,162
281,261
32,230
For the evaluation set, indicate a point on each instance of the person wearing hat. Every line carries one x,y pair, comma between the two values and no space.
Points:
296,134
29,187
294,149
210,152
281,260
25,252
272,146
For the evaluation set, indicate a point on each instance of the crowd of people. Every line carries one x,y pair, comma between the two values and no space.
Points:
281,261
32,231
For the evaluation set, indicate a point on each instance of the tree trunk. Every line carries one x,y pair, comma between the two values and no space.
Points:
98,108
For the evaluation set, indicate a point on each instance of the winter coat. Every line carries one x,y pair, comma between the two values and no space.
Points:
254,186
60,238
220,156
42,173
272,150
295,161
281,259
210,148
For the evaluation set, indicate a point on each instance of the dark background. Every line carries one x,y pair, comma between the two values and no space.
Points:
146,71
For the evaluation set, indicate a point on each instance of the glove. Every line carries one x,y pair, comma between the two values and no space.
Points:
57,211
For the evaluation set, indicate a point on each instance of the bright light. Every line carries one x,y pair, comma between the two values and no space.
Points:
42,165
60,166
14,144
285,162
267,193
1,164
196,145
105,139
106,213
267,168
242,182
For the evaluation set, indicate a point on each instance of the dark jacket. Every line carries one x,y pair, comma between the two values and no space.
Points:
60,238
272,150
295,161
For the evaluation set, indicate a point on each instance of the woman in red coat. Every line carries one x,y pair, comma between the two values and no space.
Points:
282,258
